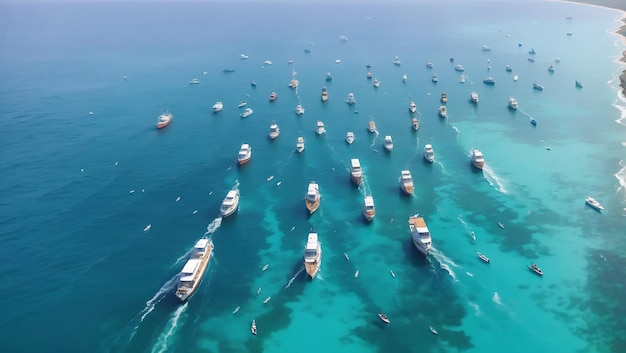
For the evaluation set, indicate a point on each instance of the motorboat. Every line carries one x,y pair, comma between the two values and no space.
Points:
267,300
478,160
444,97
343,38
462,79
164,120
356,172
217,107
253,327
501,225
300,144
513,103
319,129
537,86
299,109
486,48
312,198
253,83
273,96
569,33
429,65
396,61
551,68
267,62
515,78
247,112
312,255
434,78
404,78
369,210
350,100
535,269
412,107
194,81
376,83
274,130
415,124
245,154
532,51
388,143
230,203
429,153
557,60
433,330
594,203
459,68
293,83
369,76
420,235
579,84
242,104
483,257
474,97
533,122
508,68
368,65
243,57
443,111
324,94
371,126
192,273
228,70
338,61
350,137
406,182
489,80
329,77
384,318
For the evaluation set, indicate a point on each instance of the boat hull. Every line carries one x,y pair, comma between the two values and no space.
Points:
423,250
312,206
369,215
186,295
407,189
230,210
244,161
478,165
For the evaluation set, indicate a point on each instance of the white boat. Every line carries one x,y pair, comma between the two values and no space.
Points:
535,269
247,112
443,111
434,78
245,154
429,153
388,143
579,84
508,68
429,65
312,255
299,109
274,130
236,310
267,62
164,120
194,81
369,210
243,57
147,228
593,203
230,203
371,126
412,107
329,77
324,94
483,257
478,160
338,61
459,68
300,144
396,61
356,172
313,197
218,106
345,254
350,100
420,235
415,123
253,327
265,267
462,79
343,38
319,128
376,83
513,103
515,78
551,68
293,83
486,48
489,81
194,269
537,86
392,273
384,318
433,330
350,137
356,274
267,300
404,78
474,97
242,104
406,182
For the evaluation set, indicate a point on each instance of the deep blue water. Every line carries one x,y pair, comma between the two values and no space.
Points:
79,273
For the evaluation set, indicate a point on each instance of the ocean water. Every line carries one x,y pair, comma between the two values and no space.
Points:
80,274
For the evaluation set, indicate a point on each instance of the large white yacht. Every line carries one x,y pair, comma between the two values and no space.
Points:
194,270
429,153
369,210
320,129
420,234
412,107
230,203
513,103
312,255
474,97
218,106
312,198
388,143
356,173
300,144
245,154
274,130
350,100
478,160
406,182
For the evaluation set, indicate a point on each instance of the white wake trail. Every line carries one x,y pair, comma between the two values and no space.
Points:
163,340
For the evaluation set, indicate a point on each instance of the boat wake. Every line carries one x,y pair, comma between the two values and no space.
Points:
493,180
161,345
373,144
458,132
530,117
294,277
445,263
213,226
621,178
496,298
467,228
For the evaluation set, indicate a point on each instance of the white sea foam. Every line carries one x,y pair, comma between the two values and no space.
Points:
469,274
445,263
621,178
476,308
161,345
458,132
493,180
213,226
496,298
294,277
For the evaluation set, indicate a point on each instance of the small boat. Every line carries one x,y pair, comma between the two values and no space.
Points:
474,97
433,330
369,210
535,269
258,291
444,97
338,61
253,327
319,129
267,300
513,103
265,267
551,68
371,126
368,65
478,160
356,172
218,106
350,137
164,120
299,109
245,154
312,255
307,50
429,65
459,68
388,143
533,122
415,124
274,130
243,57
557,60
147,228
594,203
462,79
369,76
537,86
570,33
192,273
242,104
236,310
579,84
343,38
356,274
247,112
443,111
329,77
483,257
515,78
429,153
267,62
406,182
420,235
412,107
404,78
376,83
195,81
489,80
434,78
501,225
384,318
269,178
486,48
508,68
392,274
300,144
230,203
293,83
273,96
350,100
396,61
228,70
312,198
532,51
253,83
324,94
346,256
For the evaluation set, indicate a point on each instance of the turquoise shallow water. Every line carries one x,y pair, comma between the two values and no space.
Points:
80,274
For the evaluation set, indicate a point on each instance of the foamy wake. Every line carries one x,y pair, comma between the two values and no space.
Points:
476,308
161,345
523,112
294,278
621,178
493,180
213,226
496,298
458,132
445,263
621,108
